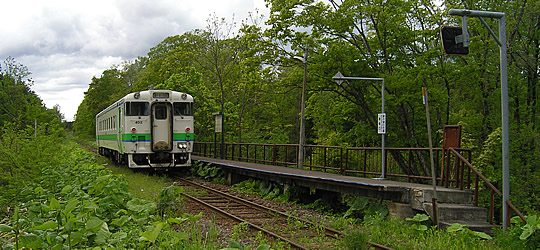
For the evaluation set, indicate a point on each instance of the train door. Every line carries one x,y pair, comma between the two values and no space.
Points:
161,126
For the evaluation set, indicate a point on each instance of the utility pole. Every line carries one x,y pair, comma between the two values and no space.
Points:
303,111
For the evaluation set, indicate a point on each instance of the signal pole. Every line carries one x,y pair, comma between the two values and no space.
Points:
501,40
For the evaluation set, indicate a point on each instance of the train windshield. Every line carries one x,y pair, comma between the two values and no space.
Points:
183,109
137,108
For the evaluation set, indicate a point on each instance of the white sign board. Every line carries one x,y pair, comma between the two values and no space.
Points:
219,122
381,122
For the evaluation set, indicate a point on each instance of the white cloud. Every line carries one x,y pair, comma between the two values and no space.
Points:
65,43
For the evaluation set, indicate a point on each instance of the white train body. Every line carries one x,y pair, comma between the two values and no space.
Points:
148,129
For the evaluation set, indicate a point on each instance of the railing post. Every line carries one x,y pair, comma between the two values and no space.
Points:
447,168
437,163
409,166
476,190
274,154
324,158
341,160
344,169
457,164
232,151
365,162
462,176
491,207
240,152
256,156
310,158
469,174
443,166
247,153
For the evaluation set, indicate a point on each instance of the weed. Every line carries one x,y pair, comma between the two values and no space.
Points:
80,204
419,222
168,200
239,230
207,171
355,239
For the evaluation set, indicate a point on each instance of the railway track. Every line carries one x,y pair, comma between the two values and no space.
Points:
296,232
264,219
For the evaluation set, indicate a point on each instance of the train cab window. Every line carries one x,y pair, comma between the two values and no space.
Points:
160,111
183,109
137,108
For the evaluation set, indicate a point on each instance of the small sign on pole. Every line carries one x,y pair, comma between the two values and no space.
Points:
218,128
382,123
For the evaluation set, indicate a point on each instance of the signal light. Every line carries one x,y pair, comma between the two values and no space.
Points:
453,41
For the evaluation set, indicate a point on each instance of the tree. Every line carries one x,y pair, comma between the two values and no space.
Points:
101,93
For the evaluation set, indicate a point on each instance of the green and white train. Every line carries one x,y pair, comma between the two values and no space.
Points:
148,129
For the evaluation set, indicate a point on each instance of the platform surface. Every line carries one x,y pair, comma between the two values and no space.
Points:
337,179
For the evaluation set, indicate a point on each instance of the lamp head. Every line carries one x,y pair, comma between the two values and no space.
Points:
338,78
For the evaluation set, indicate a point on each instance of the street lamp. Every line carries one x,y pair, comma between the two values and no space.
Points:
339,78
501,40
302,108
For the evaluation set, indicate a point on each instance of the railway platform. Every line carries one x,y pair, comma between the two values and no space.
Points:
404,199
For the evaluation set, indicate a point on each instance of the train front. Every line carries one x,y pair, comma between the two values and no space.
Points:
164,137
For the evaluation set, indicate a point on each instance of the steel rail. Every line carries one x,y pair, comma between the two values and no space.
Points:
225,213
328,231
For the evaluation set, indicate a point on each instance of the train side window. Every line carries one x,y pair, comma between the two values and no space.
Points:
137,108
183,108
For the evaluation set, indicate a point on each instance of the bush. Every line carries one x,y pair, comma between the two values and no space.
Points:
79,204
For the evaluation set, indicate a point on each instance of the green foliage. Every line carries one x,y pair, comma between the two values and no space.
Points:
250,75
168,200
79,204
355,239
20,105
519,235
266,189
456,227
239,231
23,154
397,233
419,222
370,210
102,92
248,186
206,171
529,229
236,245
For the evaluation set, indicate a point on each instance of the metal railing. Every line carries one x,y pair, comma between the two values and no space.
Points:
403,164
453,169
461,162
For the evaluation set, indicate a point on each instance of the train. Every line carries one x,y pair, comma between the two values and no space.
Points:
151,129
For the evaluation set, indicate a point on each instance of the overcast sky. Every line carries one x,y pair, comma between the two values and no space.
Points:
64,43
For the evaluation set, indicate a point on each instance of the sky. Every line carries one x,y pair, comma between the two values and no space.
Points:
64,43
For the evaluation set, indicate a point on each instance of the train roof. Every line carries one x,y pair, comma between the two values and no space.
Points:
149,95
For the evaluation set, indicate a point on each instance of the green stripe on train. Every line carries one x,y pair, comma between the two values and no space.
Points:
146,137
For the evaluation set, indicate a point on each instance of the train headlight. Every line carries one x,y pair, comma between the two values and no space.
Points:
182,145
133,130
188,129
